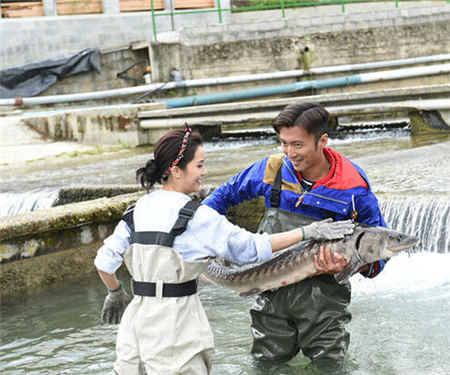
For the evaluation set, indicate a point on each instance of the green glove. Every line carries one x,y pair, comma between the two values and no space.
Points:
328,230
114,305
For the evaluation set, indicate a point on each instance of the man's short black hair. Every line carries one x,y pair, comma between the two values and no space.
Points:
310,116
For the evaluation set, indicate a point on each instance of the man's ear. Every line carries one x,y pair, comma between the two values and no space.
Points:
322,141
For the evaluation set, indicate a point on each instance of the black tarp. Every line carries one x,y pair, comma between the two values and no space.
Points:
32,78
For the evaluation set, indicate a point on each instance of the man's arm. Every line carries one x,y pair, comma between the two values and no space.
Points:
246,185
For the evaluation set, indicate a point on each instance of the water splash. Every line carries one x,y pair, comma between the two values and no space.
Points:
407,273
427,218
17,203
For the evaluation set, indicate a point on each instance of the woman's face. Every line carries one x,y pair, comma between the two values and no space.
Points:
192,175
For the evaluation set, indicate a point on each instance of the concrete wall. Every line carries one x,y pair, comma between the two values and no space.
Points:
111,63
31,39
265,43
275,45
103,125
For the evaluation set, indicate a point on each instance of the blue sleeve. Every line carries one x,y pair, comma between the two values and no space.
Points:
369,213
246,185
368,210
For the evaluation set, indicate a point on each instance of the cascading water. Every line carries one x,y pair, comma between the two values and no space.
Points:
426,218
17,203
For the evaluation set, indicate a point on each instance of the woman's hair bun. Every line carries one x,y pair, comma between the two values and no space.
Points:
149,175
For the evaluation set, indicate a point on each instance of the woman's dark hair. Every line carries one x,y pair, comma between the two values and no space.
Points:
310,116
166,151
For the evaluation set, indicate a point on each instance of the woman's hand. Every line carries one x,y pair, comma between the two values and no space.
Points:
328,230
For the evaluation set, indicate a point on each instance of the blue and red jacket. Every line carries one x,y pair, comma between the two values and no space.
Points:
344,193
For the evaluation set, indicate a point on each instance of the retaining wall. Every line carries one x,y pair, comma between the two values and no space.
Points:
46,246
102,125
298,43
199,47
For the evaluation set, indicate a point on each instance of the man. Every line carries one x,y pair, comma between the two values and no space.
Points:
309,182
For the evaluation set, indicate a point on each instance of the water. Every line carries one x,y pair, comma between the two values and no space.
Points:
426,218
400,319
17,203
399,326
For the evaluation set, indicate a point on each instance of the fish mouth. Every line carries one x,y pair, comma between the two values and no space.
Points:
411,243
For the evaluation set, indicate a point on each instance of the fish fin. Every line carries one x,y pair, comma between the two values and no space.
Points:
202,279
250,293
352,267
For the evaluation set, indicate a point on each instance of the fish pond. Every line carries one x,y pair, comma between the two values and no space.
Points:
400,321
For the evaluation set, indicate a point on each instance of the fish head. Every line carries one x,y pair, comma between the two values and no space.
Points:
375,243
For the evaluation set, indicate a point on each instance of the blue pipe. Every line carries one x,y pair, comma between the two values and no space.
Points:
261,91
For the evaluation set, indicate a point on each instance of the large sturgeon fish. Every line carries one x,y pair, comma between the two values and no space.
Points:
366,245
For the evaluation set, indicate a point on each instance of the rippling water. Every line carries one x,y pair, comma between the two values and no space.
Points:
400,319
399,326
375,152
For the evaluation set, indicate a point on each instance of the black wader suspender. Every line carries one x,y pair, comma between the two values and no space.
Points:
164,239
275,195
276,190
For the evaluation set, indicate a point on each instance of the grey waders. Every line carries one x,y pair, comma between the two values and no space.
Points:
309,316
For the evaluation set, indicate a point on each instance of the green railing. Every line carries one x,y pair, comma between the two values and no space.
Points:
270,5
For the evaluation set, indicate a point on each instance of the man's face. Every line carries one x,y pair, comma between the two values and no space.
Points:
301,148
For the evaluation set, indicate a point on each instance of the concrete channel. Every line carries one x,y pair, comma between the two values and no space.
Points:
140,124
427,108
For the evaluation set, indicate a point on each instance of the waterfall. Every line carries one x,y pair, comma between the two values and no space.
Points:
427,218
16,203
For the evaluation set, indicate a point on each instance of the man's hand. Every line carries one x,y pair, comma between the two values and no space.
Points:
328,263
114,306
328,229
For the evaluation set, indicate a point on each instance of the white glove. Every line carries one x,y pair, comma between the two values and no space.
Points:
328,230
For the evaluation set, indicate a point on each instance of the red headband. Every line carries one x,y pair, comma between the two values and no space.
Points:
187,134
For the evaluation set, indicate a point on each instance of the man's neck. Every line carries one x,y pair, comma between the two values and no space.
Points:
320,170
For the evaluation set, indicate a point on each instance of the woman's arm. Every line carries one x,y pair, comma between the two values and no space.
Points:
283,240
317,230
109,280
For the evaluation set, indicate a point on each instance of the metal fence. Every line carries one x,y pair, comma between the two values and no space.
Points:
259,5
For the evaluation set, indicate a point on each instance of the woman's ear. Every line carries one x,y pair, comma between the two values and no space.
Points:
176,172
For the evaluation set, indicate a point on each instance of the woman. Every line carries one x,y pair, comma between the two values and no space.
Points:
166,241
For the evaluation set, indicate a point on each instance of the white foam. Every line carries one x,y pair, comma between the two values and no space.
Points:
407,273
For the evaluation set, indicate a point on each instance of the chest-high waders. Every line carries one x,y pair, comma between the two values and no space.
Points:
164,329
309,315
